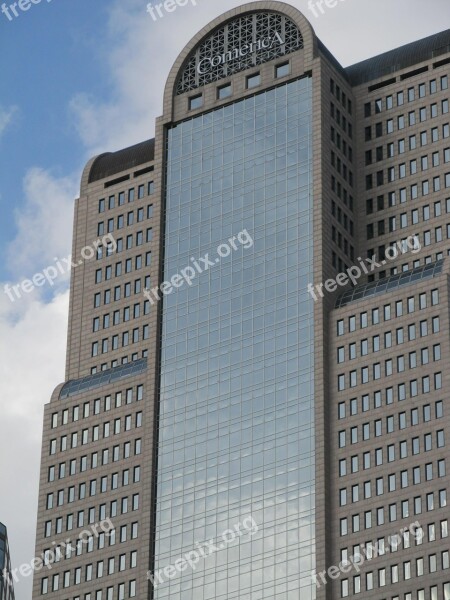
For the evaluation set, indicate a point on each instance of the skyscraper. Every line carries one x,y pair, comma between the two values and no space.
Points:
6,581
226,383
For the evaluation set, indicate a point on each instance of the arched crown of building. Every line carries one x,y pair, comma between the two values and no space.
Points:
240,39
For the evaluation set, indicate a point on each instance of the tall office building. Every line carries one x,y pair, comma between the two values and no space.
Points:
6,580
205,385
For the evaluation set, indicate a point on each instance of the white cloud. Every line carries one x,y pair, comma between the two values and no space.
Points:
31,365
6,117
44,223
32,360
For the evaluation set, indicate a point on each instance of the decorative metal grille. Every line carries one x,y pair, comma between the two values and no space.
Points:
242,33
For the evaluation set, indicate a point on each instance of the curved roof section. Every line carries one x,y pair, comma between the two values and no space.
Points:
309,39
111,163
231,48
400,58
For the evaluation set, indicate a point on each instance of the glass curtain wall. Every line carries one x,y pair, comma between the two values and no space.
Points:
236,438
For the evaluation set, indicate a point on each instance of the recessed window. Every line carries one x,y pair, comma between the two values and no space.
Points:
196,102
253,80
282,70
224,91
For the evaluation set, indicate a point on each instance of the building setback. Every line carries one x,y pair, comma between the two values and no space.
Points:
206,388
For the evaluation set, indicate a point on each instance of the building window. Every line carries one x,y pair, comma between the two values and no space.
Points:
196,102
224,91
253,81
282,70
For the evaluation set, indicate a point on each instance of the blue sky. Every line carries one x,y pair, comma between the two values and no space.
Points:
79,77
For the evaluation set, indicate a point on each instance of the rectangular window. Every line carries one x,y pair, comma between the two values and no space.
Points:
224,91
253,81
196,102
282,70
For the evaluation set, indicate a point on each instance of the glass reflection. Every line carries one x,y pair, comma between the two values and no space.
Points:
237,411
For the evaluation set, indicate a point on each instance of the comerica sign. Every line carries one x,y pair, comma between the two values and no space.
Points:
242,43
265,43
